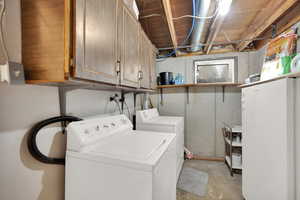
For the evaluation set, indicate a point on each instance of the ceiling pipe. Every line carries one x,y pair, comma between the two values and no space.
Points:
202,9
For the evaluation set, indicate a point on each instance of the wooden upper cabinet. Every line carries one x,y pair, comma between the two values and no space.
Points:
96,40
130,64
66,40
45,40
88,40
144,60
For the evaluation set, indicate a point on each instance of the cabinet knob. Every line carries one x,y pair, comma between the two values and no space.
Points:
140,75
118,66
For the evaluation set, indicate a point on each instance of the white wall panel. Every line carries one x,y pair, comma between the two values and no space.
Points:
200,121
12,30
79,103
227,111
174,101
203,137
297,136
21,176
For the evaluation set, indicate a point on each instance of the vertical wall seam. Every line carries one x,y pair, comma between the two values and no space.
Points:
215,138
186,105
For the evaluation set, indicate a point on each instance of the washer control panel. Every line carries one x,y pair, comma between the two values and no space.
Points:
87,132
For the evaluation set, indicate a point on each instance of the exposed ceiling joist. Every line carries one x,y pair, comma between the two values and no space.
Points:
213,32
286,22
169,16
265,19
213,51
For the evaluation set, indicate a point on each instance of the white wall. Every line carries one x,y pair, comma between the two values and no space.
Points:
297,135
184,65
22,177
206,111
204,115
12,31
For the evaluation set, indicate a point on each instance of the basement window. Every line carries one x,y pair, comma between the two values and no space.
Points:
215,70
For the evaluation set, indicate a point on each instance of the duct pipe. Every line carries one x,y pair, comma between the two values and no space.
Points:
202,8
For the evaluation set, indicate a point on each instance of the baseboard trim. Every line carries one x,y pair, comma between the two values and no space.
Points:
219,159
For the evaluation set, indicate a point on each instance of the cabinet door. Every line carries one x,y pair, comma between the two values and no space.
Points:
153,76
144,60
268,141
130,50
96,40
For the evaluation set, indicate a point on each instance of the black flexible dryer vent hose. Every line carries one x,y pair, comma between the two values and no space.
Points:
32,145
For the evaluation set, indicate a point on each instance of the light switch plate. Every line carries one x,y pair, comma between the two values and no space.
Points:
12,73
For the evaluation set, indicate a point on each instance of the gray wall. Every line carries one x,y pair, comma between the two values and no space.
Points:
184,65
297,135
21,176
206,111
12,31
204,115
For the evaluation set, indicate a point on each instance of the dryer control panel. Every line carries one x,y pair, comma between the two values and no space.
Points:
87,132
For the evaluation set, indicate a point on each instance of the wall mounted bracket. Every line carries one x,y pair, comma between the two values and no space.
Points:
161,97
223,93
62,94
135,93
187,90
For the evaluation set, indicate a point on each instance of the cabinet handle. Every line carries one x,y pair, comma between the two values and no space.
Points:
140,75
118,67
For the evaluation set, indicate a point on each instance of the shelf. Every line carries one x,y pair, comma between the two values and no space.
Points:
199,85
291,75
237,129
233,167
187,86
90,85
234,144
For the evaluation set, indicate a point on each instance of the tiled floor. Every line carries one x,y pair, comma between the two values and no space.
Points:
221,186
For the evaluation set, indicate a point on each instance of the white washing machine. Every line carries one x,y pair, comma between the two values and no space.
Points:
107,160
150,120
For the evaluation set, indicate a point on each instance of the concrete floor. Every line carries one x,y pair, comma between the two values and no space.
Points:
221,186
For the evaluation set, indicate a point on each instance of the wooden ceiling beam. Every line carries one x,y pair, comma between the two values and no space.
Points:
274,10
285,22
169,16
213,32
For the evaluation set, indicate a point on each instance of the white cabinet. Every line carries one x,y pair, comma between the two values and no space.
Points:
96,40
144,60
268,141
130,50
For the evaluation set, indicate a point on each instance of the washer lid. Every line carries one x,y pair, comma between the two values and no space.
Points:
134,146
